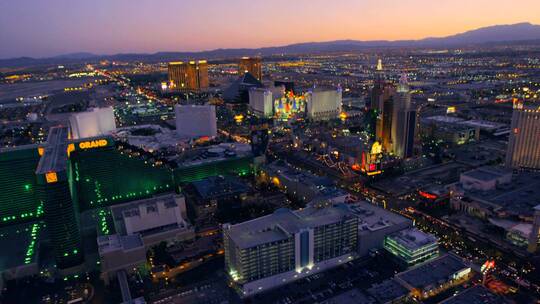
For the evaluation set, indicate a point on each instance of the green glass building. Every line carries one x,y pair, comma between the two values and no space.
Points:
54,189
18,202
197,171
112,174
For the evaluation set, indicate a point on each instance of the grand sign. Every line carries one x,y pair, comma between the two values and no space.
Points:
98,143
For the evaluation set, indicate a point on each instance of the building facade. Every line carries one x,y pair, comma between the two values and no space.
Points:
188,76
403,121
96,122
411,246
323,104
195,121
273,250
524,143
252,65
55,190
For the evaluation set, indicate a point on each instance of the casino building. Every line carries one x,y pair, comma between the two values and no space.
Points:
47,186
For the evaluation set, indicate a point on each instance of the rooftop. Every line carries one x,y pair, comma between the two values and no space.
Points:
114,242
413,238
433,272
519,197
55,156
387,291
353,296
214,153
476,295
216,186
487,173
284,223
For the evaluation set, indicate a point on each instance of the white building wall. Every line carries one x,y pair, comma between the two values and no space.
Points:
96,122
261,102
196,121
148,220
323,104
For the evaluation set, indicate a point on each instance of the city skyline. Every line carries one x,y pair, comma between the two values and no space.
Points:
30,28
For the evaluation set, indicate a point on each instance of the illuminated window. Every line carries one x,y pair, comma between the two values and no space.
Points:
51,177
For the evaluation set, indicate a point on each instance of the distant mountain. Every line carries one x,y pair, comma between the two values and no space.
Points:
510,34
497,33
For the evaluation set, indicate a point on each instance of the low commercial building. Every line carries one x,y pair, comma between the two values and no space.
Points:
476,295
157,219
374,224
433,277
302,185
504,200
277,249
389,291
117,252
485,178
449,130
207,195
412,246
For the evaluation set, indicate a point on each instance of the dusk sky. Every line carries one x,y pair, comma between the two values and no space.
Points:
41,28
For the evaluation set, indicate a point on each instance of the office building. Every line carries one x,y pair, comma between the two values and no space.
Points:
194,121
54,189
411,246
252,65
403,121
92,123
323,104
524,143
276,249
188,76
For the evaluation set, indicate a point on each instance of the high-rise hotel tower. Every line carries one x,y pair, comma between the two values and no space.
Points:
188,76
524,143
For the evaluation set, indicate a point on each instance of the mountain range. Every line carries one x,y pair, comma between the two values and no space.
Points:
526,33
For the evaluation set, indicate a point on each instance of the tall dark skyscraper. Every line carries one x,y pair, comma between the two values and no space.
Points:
190,76
403,121
382,103
252,65
55,190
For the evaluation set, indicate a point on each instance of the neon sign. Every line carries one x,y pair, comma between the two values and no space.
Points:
98,143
